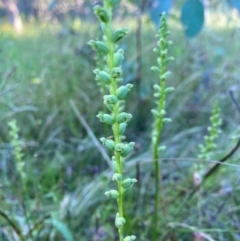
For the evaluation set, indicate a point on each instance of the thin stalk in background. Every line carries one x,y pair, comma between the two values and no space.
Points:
205,153
111,76
159,112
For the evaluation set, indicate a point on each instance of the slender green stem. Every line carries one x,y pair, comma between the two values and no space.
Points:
158,129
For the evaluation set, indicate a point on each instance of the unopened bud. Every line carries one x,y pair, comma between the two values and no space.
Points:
124,117
118,58
101,13
110,144
128,183
119,34
112,193
123,91
119,221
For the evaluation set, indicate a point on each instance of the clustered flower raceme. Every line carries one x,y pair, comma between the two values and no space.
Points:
160,89
111,77
159,111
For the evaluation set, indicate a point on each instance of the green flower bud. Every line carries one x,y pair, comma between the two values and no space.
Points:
122,128
155,113
119,34
169,89
99,46
124,117
128,148
167,120
117,177
156,95
128,183
116,73
130,238
106,118
102,76
119,147
157,87
110,101
170,59
124,149
166,75
118,58
155,69
101,13
122,91
112,193
114,166
110,144
119,221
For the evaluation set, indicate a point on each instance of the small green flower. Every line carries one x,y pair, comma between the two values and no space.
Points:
102,76
117,177
119,221
124,149
106,118
99,46
119,34
124,117
118,58
122,128
128,183
110,101
112,193
101,13
116,73
123,91
110,144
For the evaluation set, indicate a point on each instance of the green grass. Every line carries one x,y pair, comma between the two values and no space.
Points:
62,161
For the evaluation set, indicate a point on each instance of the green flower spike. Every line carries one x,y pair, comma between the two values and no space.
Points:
110,78
119,221
130,238
159,111
112,193
101,13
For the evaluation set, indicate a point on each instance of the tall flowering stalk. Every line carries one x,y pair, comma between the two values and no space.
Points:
159,112
205,153
111,76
